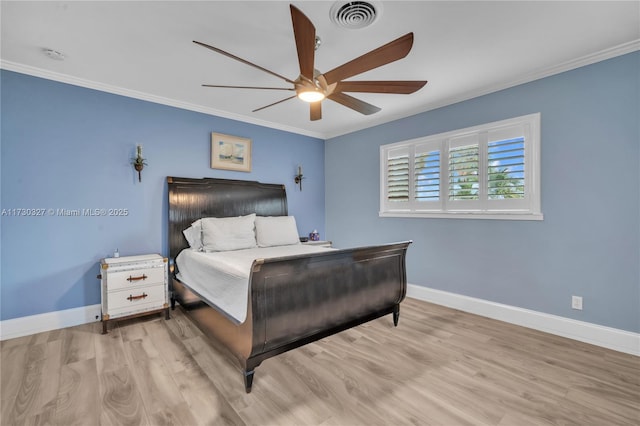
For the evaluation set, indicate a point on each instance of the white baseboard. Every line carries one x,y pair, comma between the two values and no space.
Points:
607,337
25,326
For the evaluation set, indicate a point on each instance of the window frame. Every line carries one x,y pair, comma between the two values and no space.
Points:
527,208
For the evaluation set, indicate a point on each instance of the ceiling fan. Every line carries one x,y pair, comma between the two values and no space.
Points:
312,86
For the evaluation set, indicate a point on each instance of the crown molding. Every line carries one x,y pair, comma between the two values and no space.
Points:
602,55
583,61
89,84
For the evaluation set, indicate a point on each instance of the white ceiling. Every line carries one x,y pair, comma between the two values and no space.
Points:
464,49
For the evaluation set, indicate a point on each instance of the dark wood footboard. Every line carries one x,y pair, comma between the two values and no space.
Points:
299,299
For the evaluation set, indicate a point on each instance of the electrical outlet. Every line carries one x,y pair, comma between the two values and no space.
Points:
576,302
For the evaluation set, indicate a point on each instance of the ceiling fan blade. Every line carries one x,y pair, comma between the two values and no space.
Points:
244,61
315,111
390,52
275,103
401,87
247,87
353,103
305,35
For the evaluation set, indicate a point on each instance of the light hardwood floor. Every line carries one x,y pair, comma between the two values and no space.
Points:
439,366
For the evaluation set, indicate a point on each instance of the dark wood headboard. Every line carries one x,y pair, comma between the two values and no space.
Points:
192,199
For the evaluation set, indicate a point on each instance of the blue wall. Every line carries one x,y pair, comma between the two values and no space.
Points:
66,147
588,243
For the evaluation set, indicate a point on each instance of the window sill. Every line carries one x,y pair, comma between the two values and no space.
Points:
464,215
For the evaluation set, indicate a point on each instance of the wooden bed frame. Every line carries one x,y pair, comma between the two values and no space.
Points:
292,300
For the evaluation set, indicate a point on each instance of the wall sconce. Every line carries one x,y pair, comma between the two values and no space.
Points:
298,178
139,162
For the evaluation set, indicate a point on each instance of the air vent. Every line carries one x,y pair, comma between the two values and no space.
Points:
354,14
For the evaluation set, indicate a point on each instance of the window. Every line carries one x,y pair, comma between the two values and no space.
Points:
491,171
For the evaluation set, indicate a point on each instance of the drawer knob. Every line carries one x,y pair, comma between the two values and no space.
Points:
132,298
141,277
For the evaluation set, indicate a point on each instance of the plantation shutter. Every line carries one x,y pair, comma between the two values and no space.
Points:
463,168
397,178
506,168
427,176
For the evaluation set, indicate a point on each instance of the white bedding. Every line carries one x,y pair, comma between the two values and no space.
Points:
223,277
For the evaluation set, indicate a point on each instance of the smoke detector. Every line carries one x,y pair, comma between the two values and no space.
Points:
355,14
53,54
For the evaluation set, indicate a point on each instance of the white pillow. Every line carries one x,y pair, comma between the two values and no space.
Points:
228,233
193,234
276,231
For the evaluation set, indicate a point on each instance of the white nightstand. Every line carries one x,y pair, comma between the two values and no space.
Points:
318,243
133,286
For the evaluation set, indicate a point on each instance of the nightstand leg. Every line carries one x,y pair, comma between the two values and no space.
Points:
166,314
104,327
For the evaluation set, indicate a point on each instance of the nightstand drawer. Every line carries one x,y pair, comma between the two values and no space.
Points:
135,278
139,299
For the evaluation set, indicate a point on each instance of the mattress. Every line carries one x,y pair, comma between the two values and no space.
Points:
222,278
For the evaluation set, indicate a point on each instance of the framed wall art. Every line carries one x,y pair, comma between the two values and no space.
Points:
230,152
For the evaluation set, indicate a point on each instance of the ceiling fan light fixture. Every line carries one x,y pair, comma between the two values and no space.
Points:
310,90
311,96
